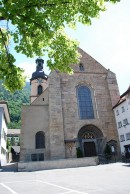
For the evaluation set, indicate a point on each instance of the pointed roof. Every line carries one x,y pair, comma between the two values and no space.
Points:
89,63
42,99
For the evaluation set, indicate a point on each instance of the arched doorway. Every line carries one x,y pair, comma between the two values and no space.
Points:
90,138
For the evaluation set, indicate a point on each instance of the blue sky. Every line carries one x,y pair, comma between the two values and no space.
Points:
107,40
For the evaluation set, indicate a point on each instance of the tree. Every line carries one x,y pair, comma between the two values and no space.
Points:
15,102
37,27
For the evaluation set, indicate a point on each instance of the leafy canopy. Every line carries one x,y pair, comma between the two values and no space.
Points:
39,28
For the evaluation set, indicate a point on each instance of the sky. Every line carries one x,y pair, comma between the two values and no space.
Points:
107,40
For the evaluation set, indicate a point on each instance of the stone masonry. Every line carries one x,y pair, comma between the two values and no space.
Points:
56,112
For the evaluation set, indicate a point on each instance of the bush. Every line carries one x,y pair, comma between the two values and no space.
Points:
79,152
108,152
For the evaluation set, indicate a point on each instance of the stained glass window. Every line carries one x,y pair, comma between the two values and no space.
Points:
85,103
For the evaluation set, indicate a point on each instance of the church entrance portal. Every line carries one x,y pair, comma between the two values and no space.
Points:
89,149
90,140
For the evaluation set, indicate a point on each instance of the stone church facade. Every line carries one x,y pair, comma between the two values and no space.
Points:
70,112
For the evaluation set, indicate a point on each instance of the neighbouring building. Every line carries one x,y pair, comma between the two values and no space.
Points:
69,113
4,119
13,136
122,115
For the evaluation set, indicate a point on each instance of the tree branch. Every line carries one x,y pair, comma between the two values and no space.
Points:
46,4
36,23
52,4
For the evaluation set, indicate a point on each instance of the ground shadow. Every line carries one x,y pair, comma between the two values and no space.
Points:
126,165
12,167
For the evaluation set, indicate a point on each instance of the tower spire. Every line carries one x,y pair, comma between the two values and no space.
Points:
39,64
39,73
38,80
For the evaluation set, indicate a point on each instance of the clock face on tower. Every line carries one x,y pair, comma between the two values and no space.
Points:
39,80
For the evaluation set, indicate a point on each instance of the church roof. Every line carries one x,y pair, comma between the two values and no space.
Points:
43,97
90,65
126,92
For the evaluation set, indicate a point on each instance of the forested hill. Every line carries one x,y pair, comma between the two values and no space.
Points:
15,102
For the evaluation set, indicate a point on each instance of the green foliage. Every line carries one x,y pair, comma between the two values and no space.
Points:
8,144
12,141
108,152
38,27
79,152
15,124
11,75
15,102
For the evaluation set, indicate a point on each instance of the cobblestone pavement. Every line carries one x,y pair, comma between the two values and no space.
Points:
102,179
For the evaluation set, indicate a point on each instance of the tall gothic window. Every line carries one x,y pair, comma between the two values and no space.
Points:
40,89
85,103
40,140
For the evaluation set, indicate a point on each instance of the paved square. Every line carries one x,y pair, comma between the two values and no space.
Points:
102,179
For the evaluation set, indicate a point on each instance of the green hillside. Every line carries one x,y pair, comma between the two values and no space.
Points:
15,102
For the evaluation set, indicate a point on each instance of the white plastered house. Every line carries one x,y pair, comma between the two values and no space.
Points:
4,119
122,115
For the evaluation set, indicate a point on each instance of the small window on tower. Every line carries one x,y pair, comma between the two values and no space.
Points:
81,67
40,90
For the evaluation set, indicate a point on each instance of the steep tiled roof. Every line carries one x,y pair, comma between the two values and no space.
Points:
119,102
122,98
126,92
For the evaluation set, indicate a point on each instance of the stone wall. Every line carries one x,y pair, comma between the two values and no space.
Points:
57,145
34,119
34,88
56,110
58,164
104,94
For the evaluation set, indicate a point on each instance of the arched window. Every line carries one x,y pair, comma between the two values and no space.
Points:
85,103
40,90
40,140
81,67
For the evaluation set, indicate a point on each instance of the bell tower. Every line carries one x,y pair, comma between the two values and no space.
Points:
38,81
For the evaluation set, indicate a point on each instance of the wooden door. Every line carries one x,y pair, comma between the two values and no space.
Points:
89,149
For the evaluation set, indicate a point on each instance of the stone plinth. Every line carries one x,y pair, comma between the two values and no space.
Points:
58,164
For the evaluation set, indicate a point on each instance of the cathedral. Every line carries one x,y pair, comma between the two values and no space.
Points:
70,116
